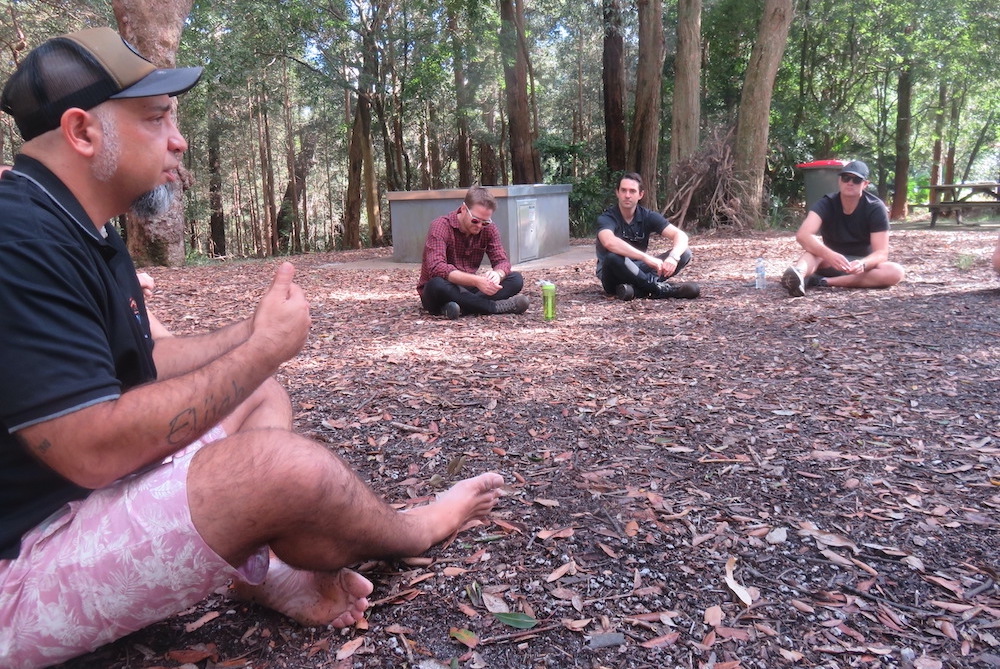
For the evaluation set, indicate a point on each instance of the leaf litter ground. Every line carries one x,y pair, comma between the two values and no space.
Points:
741,480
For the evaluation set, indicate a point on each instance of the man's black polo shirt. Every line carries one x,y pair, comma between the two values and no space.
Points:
73,332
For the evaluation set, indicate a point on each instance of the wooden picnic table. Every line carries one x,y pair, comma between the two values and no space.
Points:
960,197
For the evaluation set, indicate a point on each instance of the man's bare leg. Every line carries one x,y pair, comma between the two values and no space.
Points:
886,275
327,520
267,407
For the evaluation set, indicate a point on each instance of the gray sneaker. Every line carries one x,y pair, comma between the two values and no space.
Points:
794,282
512,305
451,311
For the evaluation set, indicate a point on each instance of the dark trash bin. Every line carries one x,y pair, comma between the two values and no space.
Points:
821,178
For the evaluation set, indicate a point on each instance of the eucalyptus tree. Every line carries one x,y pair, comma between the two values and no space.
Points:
685,125
613,88
525,164
753,125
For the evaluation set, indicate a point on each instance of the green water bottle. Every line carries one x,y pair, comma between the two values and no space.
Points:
548,300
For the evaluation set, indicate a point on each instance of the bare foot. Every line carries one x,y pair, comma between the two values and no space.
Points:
338,598
466,501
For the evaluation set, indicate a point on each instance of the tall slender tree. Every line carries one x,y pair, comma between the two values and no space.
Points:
613,76
644,139
754,120
686,117
525,164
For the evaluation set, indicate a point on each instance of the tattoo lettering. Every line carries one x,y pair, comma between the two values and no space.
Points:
191,423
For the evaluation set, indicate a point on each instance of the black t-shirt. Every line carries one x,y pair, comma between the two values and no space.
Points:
644,223
73,332
851,234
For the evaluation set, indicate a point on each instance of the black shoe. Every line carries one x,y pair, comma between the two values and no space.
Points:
451,311
794,282
625,292
512,305
686,291
816,281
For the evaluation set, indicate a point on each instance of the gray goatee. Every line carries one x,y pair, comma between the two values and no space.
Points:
154,203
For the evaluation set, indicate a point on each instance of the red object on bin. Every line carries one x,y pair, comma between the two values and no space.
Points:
821,163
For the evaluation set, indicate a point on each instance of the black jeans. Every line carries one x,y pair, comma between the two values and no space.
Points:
619,269
439,292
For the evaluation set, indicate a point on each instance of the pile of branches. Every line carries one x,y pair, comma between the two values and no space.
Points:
705,192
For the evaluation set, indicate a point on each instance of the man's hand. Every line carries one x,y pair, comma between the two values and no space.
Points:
494,276
282,318
667,267
486,284
840,263
147,284
857,267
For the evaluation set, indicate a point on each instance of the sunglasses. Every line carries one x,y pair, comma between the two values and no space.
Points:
482,221
850,178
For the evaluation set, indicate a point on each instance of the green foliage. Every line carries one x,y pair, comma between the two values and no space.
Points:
590,196
274,70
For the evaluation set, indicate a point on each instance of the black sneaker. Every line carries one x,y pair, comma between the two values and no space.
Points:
816,281
685,291
451,311
794,282
512,305
625,292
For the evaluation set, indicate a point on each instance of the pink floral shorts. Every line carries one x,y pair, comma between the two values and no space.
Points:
102,567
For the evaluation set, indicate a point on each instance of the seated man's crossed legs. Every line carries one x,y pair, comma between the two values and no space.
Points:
438,293
157,542
628,278
811,271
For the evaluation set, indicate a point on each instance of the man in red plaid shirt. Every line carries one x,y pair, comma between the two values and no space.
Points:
450,283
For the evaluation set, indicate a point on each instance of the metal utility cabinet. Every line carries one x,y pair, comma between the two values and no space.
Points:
533,219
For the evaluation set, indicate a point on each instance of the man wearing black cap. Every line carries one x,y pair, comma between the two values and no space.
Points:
137,477
846,240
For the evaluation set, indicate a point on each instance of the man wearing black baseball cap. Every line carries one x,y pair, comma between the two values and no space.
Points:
138,478
845,237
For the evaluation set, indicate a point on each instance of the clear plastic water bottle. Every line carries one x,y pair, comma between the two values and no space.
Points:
760,275
548,300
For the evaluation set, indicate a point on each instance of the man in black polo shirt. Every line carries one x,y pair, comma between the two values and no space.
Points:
139,476
846,240
624,266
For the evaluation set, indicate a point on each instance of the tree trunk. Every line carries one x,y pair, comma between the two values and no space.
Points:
154,29
957,103
525,163
904,98
977,147
351,238
372,201
434,147
613,77
644,140
463,102
267,175
294,196
217,215
938,141
686,118
489,163
753,122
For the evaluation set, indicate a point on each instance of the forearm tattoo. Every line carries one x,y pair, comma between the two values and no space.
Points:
195,421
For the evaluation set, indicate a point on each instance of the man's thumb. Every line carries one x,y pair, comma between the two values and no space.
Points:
283,275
